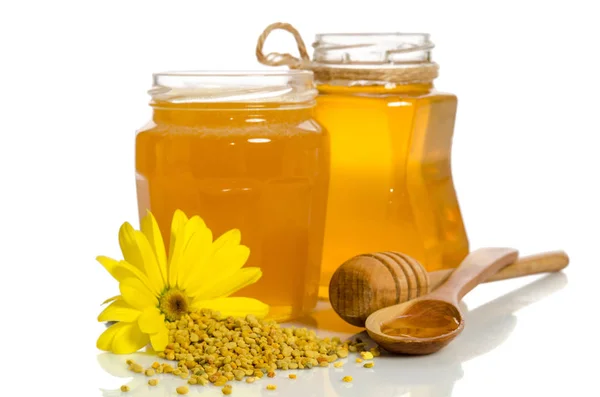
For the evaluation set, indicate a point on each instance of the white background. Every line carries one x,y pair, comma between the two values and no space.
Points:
74,76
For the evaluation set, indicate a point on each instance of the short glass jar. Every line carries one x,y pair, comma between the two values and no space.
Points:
242,150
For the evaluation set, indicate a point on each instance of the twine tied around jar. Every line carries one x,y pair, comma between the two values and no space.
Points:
385,71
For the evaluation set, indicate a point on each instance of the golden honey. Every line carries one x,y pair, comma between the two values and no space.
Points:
391,185
425,319
257,165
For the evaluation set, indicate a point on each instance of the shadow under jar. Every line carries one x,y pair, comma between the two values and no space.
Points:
391,185
242,150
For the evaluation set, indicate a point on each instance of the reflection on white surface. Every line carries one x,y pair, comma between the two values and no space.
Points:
486,328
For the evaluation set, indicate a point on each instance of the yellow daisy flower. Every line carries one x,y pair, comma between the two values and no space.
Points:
197,273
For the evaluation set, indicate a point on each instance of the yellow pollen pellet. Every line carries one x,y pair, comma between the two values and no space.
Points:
271,374
367,355
338,364
155,365
369,364
153,382
359,360
182,390
292,376
150,372
125,388
226,390
347,379
250,379
129,362
271,387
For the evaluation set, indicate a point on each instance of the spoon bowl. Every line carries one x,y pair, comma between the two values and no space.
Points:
427,324
432,324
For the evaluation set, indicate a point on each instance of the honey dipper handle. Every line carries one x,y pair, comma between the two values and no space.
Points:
545,262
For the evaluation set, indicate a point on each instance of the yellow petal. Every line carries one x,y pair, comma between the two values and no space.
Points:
106,338
125,270
235,306
176,245
149,227
114,298
149,263
222,265
128,246
193,261
177,225
225,287
230,238
121,270
119,310
151,320
194,224
135,293
129,339
230,260
160,340
109,264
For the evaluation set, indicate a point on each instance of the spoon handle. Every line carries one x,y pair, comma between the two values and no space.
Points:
478,266
546,262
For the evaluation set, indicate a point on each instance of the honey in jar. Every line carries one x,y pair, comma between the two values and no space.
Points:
391,133
242,150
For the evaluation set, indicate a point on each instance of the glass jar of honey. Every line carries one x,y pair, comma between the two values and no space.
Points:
243,150
391,132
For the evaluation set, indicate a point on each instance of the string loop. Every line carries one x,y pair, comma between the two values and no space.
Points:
279,59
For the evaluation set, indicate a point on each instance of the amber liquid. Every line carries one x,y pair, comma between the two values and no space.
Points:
263,171
391,185
427,319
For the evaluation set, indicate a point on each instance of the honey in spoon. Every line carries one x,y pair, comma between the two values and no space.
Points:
424,319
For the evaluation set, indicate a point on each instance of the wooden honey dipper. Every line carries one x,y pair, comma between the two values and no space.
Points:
369,282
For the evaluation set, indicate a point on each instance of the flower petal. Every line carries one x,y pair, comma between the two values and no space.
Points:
160,340
128,245
231,259
114,298
119,310
135,293
225,287
235,306
176,245
149,262
194,258
109,264
106,338
149,227
222,265
151,320
230,238
121,270
129,339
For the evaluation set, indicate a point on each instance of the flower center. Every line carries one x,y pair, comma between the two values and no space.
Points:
173,303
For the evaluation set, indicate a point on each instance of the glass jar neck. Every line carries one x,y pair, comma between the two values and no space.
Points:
229,114
374,59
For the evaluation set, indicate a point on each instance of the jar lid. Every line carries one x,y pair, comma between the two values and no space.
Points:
280,86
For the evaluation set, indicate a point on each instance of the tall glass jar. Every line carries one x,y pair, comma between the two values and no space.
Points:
391,133
243,150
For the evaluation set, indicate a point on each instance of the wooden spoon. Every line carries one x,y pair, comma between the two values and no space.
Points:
427,324
369,282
